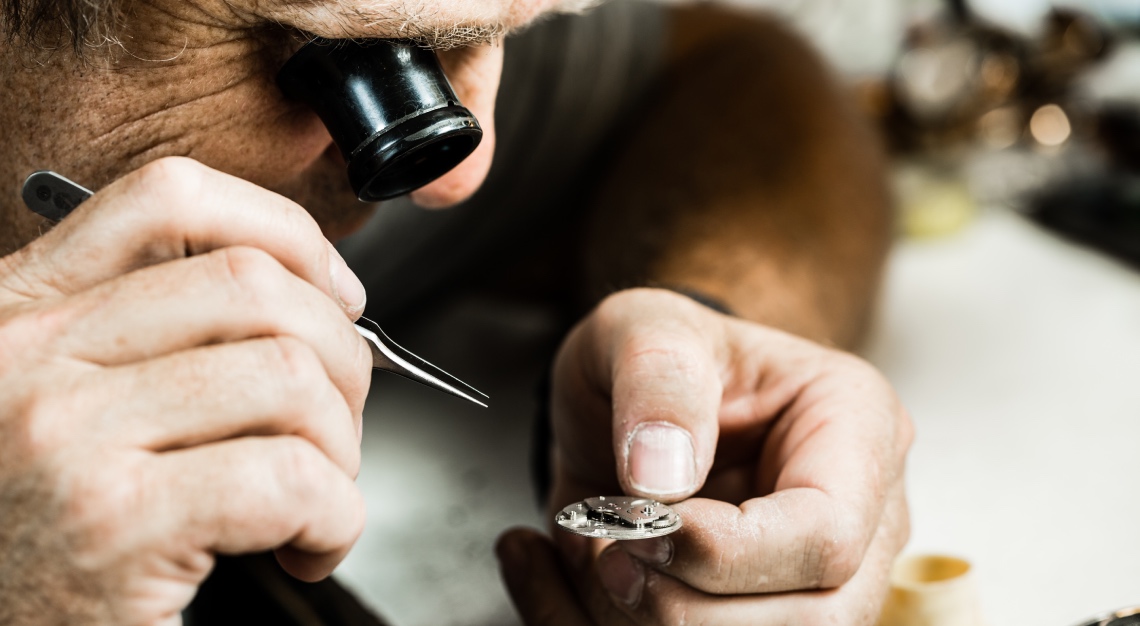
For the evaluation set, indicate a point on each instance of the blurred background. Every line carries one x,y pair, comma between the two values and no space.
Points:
1009,323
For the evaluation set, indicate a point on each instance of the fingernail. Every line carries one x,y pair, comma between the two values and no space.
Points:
622,576
347,288
655,551
512,554
660,459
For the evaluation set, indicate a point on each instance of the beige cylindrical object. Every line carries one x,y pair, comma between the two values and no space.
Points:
931,590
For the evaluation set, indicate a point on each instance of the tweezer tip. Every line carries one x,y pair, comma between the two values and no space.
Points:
387,358
391,343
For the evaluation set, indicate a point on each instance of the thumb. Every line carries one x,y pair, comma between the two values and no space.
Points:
666,397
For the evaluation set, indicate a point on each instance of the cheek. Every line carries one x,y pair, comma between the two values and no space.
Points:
252,132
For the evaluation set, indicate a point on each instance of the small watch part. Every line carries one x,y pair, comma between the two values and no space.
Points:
619,517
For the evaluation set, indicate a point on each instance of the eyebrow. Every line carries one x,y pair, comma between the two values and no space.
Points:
426,30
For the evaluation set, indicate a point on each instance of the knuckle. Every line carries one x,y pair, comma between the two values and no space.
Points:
293,374
313,408
336,431
301,467
611,302
24,333
252,273
176,185
41,407
356,513
171,177
862,373
846,362
172,182
835,561
44,433
100,504
656,351
644,303
616,305
294,364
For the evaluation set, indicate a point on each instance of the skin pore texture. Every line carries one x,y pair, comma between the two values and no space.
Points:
179,376
196,79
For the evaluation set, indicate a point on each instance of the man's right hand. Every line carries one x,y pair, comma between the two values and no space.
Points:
179,378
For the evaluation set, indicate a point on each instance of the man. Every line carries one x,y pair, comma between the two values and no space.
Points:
179,377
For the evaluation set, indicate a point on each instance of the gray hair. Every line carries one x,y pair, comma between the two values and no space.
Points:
59,23
81,24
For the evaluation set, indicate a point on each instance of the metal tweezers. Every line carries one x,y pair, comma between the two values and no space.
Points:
54,197
389,356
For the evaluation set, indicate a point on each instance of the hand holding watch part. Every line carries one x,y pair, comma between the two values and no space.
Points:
54,197
618,517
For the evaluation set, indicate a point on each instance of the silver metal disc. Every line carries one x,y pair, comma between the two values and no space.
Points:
618,517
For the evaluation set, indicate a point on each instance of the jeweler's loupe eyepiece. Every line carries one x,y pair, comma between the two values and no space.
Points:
389,108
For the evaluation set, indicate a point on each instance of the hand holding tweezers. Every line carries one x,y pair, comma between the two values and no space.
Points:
55,197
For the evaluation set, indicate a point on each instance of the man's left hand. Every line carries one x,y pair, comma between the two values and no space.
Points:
785,460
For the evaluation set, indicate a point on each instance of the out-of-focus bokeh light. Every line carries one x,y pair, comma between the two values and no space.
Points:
1050,126
933,80
999,76
1000,128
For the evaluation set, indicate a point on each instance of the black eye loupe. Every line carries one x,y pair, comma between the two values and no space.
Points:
389,108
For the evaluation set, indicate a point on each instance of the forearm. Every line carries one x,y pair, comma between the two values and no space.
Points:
750,179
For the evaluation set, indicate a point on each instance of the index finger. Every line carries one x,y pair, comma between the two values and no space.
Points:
667,600
170,209
791,540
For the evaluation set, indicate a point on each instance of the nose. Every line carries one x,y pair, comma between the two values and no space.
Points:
458,184
474,74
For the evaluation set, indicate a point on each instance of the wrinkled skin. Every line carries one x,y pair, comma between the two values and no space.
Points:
790,479
179,377
159,407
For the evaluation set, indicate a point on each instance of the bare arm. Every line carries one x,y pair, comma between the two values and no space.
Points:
751,179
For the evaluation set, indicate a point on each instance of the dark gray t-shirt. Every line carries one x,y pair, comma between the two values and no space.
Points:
566,83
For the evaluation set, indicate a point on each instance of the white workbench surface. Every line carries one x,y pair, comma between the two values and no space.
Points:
1018,355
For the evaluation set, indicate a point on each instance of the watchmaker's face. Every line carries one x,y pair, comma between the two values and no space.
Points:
196,78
